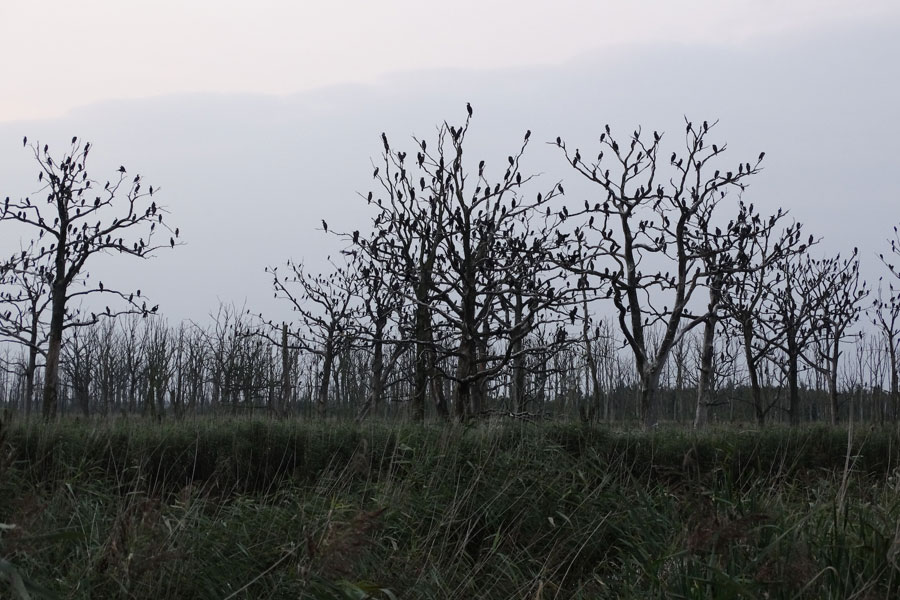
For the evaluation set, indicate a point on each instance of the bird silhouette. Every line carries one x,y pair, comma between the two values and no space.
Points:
324,225
469,109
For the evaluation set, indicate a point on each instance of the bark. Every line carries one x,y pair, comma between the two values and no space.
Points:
832,379
895,381
54,342
376,379
755,390
793,358
594,407
285,398
423,346
327,365
707,356
649,385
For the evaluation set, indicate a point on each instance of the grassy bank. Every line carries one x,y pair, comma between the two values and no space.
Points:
260,509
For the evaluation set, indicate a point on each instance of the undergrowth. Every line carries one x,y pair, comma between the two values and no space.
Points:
285,509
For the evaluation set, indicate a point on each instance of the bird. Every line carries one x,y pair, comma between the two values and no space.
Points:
469,109
122,169
172,242
324,225
25,141
527,135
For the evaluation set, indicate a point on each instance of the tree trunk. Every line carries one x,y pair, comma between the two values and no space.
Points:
54,346
755,389
281,403
895,381
594,407
423,347
649,384
707,356
462,403
832,379
30,371
376,380
327,363
793,357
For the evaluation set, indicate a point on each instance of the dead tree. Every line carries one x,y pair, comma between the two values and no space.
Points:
745,298
885,315
325,304
381,304
888,321
838,296
643,223
24,298
741,258
452,237
77,220
789,321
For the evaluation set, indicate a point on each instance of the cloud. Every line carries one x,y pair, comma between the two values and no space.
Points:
249,177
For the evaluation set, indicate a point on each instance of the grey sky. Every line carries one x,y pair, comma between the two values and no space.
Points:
259,119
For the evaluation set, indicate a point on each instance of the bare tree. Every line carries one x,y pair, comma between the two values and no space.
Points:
77,220
456,241
326,307
838,295
24,298
885,315
745,292
643,222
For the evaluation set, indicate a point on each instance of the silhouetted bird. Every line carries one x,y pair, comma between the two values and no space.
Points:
469,109
172,242
324,225
121,169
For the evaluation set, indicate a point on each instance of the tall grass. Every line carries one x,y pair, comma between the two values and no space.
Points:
264,509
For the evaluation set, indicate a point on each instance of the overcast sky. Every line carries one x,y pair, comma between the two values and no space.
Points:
257,119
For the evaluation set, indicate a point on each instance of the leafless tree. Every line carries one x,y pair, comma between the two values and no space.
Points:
76,220
643,223
24,298
326,305
838,295
885,315
745,292
460,243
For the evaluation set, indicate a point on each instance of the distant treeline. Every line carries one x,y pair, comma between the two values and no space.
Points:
661,295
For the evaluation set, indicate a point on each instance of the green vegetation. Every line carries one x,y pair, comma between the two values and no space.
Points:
265,509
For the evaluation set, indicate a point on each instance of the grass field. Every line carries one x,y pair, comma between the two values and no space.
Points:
267,509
